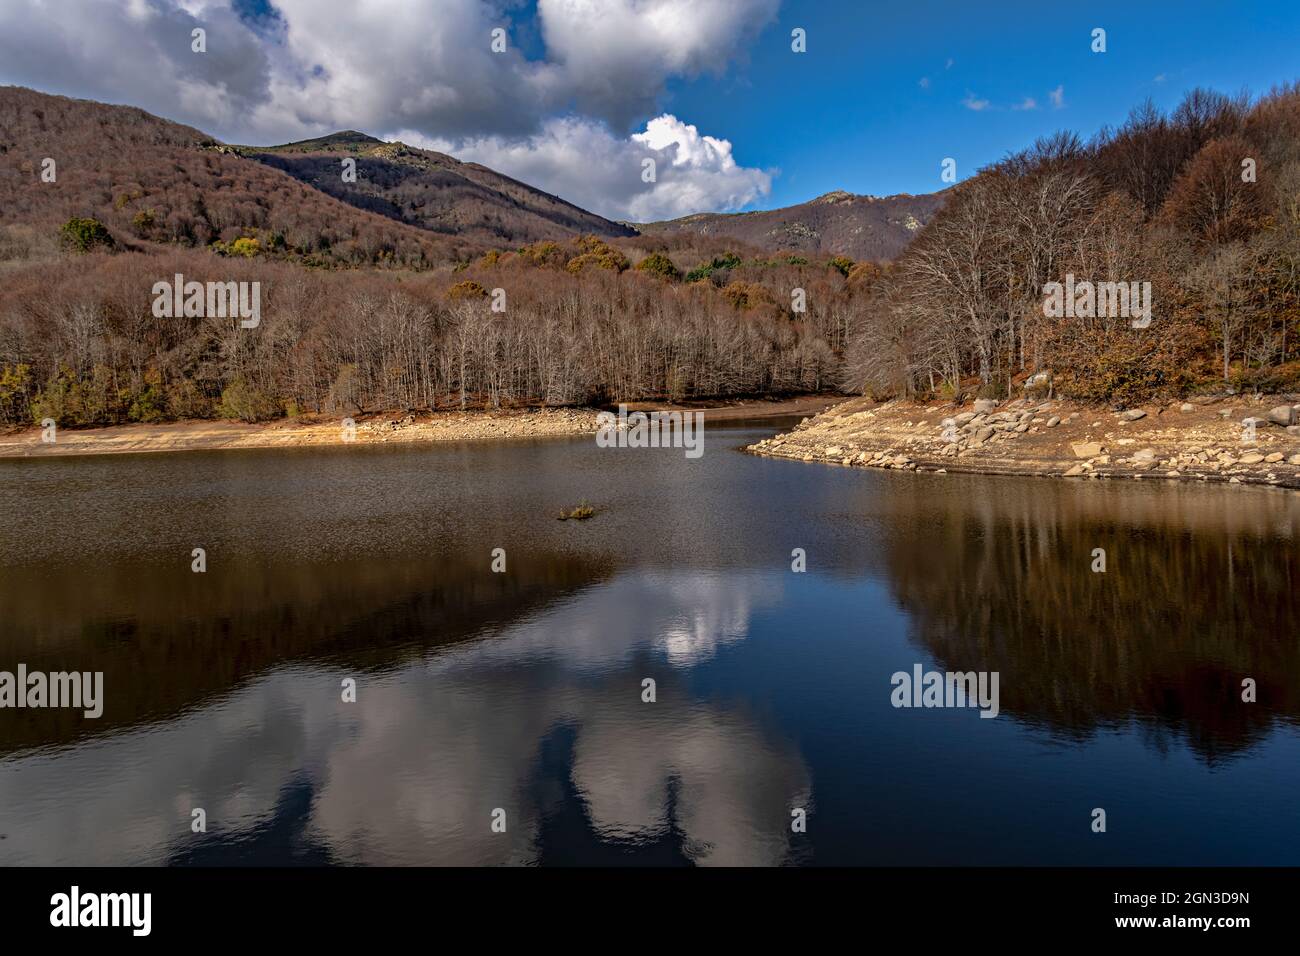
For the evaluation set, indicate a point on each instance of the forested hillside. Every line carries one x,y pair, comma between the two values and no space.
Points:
153,182
433,191
1203,203
79,343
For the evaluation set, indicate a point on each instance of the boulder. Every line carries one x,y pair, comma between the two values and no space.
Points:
1275,456
963,418
1074,471
1144,454
1187,407
1282,415
984,434
1132,415
1053,421
985,405
1254,458
1087,449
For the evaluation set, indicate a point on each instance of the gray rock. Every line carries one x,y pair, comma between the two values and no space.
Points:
1282,415
985,405
1054,421
1133,414
984,434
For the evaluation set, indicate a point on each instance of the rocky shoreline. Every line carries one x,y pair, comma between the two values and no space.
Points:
1227,439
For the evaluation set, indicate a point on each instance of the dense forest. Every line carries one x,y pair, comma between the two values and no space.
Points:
578,323
366,312
1203,203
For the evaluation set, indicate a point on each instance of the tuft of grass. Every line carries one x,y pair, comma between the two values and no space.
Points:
580,513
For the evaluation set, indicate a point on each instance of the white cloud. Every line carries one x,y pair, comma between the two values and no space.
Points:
1028,103
610,51
1057,96
973,102
318,65
924,83
581,160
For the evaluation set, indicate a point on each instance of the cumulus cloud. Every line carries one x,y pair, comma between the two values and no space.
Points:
581,160
138,52
1057,96
612,53
277,70
976,103
1028,103
287,67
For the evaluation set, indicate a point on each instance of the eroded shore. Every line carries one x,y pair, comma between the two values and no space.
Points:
368,429
1234,439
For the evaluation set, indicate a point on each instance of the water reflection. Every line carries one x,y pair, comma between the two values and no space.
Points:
1199,593
523,690
412,771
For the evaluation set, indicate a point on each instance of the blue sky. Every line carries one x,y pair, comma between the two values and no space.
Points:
851,113
587,90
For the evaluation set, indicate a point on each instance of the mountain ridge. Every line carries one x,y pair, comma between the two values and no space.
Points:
859,226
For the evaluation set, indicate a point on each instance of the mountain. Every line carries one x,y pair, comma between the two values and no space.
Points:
151,181
432,190
838,223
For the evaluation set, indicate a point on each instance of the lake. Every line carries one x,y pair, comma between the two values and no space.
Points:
501,718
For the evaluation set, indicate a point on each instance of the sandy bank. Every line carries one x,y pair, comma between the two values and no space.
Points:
1201,440
369,429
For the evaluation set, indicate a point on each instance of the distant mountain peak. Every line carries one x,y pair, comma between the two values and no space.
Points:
839,195
349,140
839,222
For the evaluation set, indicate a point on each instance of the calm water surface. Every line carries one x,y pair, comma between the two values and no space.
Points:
522,691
